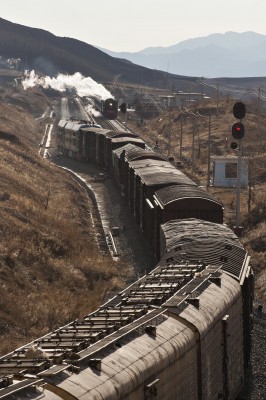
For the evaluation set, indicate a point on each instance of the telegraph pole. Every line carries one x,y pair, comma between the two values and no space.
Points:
258,119
217,98
209,153
181,136
193,145
238,229
169,128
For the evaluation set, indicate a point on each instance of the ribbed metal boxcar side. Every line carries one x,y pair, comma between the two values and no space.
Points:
94,144
179,202
215,311
111,134
73,138
61,135
121,139
70,131
169,358
190,355
121,169
149,176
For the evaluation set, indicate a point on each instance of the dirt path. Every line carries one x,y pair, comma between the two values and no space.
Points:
114,212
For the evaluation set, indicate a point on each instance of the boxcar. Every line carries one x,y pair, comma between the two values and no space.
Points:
149,175
111,144
69,137
179,202
121,141
132,153
92,139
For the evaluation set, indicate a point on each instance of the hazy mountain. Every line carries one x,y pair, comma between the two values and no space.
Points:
218,55
40,50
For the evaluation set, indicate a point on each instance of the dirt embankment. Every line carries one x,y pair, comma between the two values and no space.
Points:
49,274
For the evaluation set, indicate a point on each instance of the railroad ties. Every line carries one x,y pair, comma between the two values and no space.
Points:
138,305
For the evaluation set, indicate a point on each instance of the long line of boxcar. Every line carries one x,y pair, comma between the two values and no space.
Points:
156,191
183,331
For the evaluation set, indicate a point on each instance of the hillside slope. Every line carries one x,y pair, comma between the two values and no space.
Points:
40,50
49,274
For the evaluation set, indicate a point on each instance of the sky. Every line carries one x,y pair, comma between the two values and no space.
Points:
122,25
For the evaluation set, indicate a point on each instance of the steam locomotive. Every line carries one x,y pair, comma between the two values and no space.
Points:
109,108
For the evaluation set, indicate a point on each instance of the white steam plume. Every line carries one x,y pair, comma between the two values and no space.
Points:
83,86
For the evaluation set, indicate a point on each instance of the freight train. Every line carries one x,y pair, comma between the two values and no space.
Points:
155,190
184,330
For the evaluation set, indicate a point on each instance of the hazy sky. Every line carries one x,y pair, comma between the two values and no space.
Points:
124,25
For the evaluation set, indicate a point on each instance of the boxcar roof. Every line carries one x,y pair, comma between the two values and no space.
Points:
112,134
213,299
120,366
157,172
62,123
94,128
193,240
127,147
76,125
127,138
134,152
138,154
172,193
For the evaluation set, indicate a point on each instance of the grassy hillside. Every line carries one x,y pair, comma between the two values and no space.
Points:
40,50
50,268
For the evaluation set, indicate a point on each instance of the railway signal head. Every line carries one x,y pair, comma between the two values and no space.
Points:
238,130
123,108
234,145
239,110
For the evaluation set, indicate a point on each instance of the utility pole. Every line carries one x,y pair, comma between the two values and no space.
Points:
238,188
181,137
258,119
202,90
217,98
238,131
249,186
193,145
169,128
209,153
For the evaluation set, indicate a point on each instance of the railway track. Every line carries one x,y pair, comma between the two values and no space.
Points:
102,214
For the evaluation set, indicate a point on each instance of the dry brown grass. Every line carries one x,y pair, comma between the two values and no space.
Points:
51,270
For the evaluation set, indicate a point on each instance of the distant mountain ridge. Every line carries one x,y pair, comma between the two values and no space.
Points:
41,50
230,54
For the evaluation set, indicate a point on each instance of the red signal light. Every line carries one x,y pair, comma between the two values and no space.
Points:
238,130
